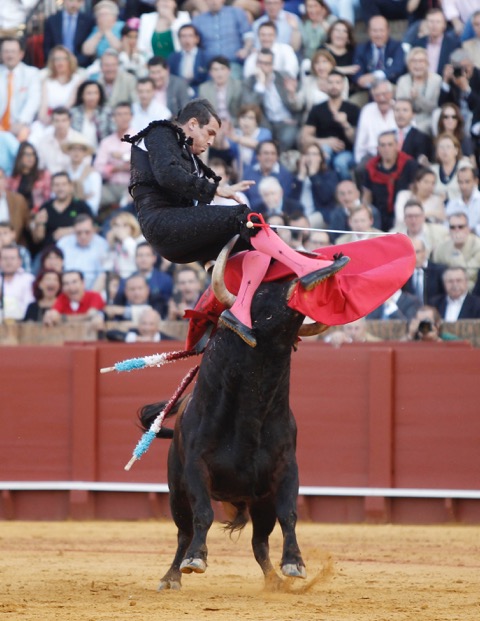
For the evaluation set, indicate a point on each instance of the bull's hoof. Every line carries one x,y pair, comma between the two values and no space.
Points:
311,280
196,565
174,585
294,571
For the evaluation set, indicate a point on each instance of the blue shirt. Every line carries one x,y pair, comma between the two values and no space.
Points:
87,259
8,151
69,26
223,33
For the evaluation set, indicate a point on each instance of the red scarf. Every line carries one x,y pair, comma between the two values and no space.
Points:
387,179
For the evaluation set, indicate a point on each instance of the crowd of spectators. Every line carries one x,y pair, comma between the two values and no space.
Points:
358,138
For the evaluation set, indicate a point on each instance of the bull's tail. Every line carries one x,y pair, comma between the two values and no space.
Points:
148,413
237,517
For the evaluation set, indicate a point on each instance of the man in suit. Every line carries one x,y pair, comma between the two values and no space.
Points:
221,90
274,201
380,57
19,90
457,303
416,227
170,90
119,85
411,140
426,282
401,305
439,43
69,27
276,96
191,62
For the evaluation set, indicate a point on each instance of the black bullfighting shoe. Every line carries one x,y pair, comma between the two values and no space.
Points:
311,280
228,319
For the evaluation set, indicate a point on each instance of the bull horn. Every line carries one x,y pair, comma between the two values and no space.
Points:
220,291
312,329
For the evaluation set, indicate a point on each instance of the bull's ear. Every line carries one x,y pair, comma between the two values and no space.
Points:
312,329
220,291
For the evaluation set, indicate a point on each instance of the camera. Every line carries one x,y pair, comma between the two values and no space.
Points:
458,72
425,326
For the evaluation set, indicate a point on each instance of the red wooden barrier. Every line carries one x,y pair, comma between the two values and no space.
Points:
389,416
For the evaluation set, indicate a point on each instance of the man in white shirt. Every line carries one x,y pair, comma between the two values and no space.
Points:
13,13
375,118
469,200
147,108
15,284
84,250
284,58
458,303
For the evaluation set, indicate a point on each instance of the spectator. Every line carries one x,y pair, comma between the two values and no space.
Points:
421,86
28,179
386,8
148,330
450,122
274,201
316,240
331,125
287,23
458,12
131,58
426,282
457,303
75,303
348,197
50,143
87,182
380,58
469,199
416,227
159,282
401,305
59,84
344,9
13,14
117,83
147,108
427,326
386,174
360,222
159,30
461,85
314,26
84,249
106,32
411,140
285,60
472,46
221,169
90,115
462,249
439,43
14,209
55,218
422,191
137,294
122,243
354,332
46,288
222,90
8,151
113,162
245,139
8,237
225,31
187,290
170,91
341,44
449,156
315,86
19,90
315,185
276,96
51,258
375,118
190,63
69,27
15,284
268,165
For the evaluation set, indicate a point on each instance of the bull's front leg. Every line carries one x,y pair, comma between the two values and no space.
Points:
286,504
197,489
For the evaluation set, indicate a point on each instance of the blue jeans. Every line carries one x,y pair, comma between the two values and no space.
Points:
342,162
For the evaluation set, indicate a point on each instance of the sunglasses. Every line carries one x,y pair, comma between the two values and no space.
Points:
457,227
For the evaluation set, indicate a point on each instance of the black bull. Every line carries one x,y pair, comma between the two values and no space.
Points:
235,442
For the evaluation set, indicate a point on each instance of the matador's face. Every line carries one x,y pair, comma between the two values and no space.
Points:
202,135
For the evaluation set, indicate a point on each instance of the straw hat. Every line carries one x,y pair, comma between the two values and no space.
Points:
78,141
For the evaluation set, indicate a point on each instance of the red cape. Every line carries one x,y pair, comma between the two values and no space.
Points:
378,267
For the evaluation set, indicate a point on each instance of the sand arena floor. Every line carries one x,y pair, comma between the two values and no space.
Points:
109,571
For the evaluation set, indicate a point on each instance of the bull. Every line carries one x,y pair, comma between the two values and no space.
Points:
235,438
